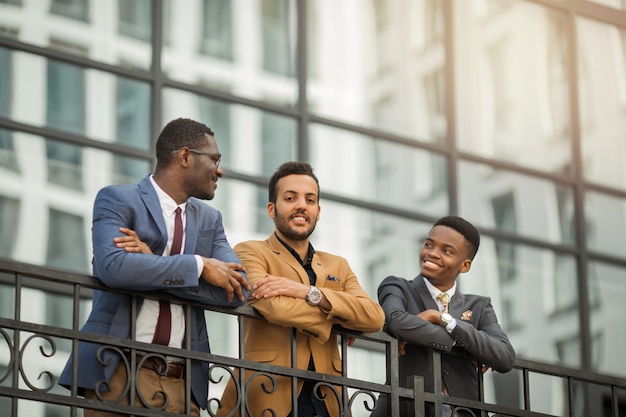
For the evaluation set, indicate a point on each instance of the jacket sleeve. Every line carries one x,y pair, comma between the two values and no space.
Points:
485,339
403,323
294,312
116,268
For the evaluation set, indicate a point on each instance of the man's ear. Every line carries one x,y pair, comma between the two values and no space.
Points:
270,210
466,265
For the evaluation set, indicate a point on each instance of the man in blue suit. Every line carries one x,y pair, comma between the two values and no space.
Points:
206,270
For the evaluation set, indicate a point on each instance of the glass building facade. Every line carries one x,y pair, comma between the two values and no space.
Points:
510,113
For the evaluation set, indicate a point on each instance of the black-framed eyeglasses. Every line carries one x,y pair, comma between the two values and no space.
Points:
215,156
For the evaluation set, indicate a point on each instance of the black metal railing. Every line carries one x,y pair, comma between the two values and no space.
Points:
40,317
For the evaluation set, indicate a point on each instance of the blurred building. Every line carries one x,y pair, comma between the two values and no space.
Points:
510,113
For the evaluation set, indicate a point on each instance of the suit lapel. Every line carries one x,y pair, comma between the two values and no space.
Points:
456,304
424,294
192,226
151,200
286,257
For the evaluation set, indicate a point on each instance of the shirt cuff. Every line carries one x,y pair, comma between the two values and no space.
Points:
451,326
199,264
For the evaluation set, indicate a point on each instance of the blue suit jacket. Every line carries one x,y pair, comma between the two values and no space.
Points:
136,206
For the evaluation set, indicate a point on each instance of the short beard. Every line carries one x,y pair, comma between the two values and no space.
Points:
281,223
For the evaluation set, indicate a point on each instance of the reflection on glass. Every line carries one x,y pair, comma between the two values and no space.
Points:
74,9
245,48
84,28
76,100
602,86
511,202
539,281
6,82
136,19
609,341
66,97
65,164
606,223
67,247
511,83
132,112
384,70
128,170
385,173
60,185
268,139
9,219
217,29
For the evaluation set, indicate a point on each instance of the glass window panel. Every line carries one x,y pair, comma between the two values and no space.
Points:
609,341
517,203
133,113
602,86
384,69
268,139
358,166
9,218
85,28
6,82
245,48
64,228
78,100
136,19
7,151
537,280
66,97
511,83
278,45
605,223
217,28
65,164
27,234
74,9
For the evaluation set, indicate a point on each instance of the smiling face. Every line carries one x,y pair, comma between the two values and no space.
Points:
296,210
204,171
444,255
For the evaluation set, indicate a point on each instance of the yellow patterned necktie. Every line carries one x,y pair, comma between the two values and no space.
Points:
445,299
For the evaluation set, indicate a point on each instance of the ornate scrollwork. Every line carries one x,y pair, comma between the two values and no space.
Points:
365,403
214,380
267,390
456,409
45,354
100,357
6,337
316,391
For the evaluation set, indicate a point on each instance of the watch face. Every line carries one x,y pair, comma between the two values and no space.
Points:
314,296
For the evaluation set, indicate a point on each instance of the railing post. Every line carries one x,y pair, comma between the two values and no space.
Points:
416,383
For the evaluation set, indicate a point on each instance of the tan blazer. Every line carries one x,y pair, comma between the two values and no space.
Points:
269,342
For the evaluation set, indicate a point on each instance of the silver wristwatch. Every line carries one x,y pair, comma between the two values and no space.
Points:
445,319
314,296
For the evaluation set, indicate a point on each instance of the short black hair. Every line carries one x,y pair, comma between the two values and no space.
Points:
290,168
179,133
472,237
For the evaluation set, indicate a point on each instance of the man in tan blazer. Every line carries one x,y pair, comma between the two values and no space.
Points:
295,286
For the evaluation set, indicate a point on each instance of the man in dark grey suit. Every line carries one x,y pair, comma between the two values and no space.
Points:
430,313
164,211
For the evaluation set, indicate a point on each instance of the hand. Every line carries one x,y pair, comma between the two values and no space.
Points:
402,347
224,275
433,316
271,286
350,340
484,368
131,242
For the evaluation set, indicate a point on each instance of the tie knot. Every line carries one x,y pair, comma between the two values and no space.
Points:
178,211
445,299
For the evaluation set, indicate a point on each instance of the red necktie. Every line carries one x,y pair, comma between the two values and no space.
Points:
164,323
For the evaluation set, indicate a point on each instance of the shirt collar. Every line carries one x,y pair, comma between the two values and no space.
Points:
309,255
168,205
434,291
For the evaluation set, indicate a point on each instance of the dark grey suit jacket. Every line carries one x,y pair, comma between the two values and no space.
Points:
479,338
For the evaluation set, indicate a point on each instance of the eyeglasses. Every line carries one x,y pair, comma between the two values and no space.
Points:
216,157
